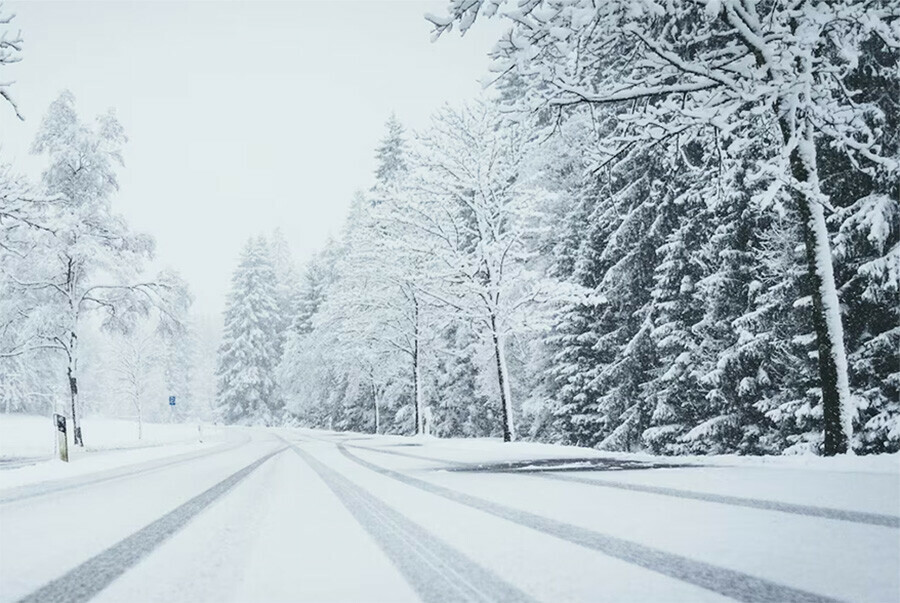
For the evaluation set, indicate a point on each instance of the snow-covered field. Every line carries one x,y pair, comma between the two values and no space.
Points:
282,514
27,447
33,436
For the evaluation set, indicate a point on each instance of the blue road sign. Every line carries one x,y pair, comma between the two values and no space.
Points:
171,400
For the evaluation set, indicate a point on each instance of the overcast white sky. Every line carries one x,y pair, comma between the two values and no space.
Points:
241,116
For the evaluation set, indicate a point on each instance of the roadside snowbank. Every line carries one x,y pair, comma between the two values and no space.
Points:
493,450
34,436
27,447
89,463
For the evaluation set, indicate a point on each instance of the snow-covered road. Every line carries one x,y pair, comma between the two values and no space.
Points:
286,515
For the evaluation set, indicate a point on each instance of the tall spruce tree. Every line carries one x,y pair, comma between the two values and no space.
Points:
249,351
391,154
287,284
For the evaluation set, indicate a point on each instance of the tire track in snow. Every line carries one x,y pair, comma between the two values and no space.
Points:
457,464
17,462
876,519
731,583
436,571
88,579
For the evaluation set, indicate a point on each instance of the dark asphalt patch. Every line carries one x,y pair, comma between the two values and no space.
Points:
532,465
564,464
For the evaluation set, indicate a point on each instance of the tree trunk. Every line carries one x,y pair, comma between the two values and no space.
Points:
832,357
509,433
140,410
376,409
417,376
72,372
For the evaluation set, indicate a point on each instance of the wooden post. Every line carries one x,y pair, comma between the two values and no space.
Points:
61,439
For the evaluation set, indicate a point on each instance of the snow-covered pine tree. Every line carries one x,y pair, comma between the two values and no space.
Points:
734,359
866,222
724,64
573,342
603,351
674,390
303,368
461,408
287,284
248,353
776,335
392,159
317,277
867,248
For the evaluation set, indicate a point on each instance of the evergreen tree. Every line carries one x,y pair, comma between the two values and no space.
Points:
627,275
317,277
867,252
603,353
868,248
675,390
391,155
727,65
735,355
249,351
287,285
461,408
304,365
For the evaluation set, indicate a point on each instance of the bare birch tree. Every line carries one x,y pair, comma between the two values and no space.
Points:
85,259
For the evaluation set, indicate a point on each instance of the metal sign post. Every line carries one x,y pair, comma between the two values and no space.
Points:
61,439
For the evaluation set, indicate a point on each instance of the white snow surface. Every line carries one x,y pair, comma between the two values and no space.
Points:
35,436
284,533
28,446
492,450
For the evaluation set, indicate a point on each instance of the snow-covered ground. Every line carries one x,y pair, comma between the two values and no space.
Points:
28,456
491,450
33,436
276,515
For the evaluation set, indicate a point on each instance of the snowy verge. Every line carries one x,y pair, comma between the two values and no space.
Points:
34,436
87,463
27,447
493,450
